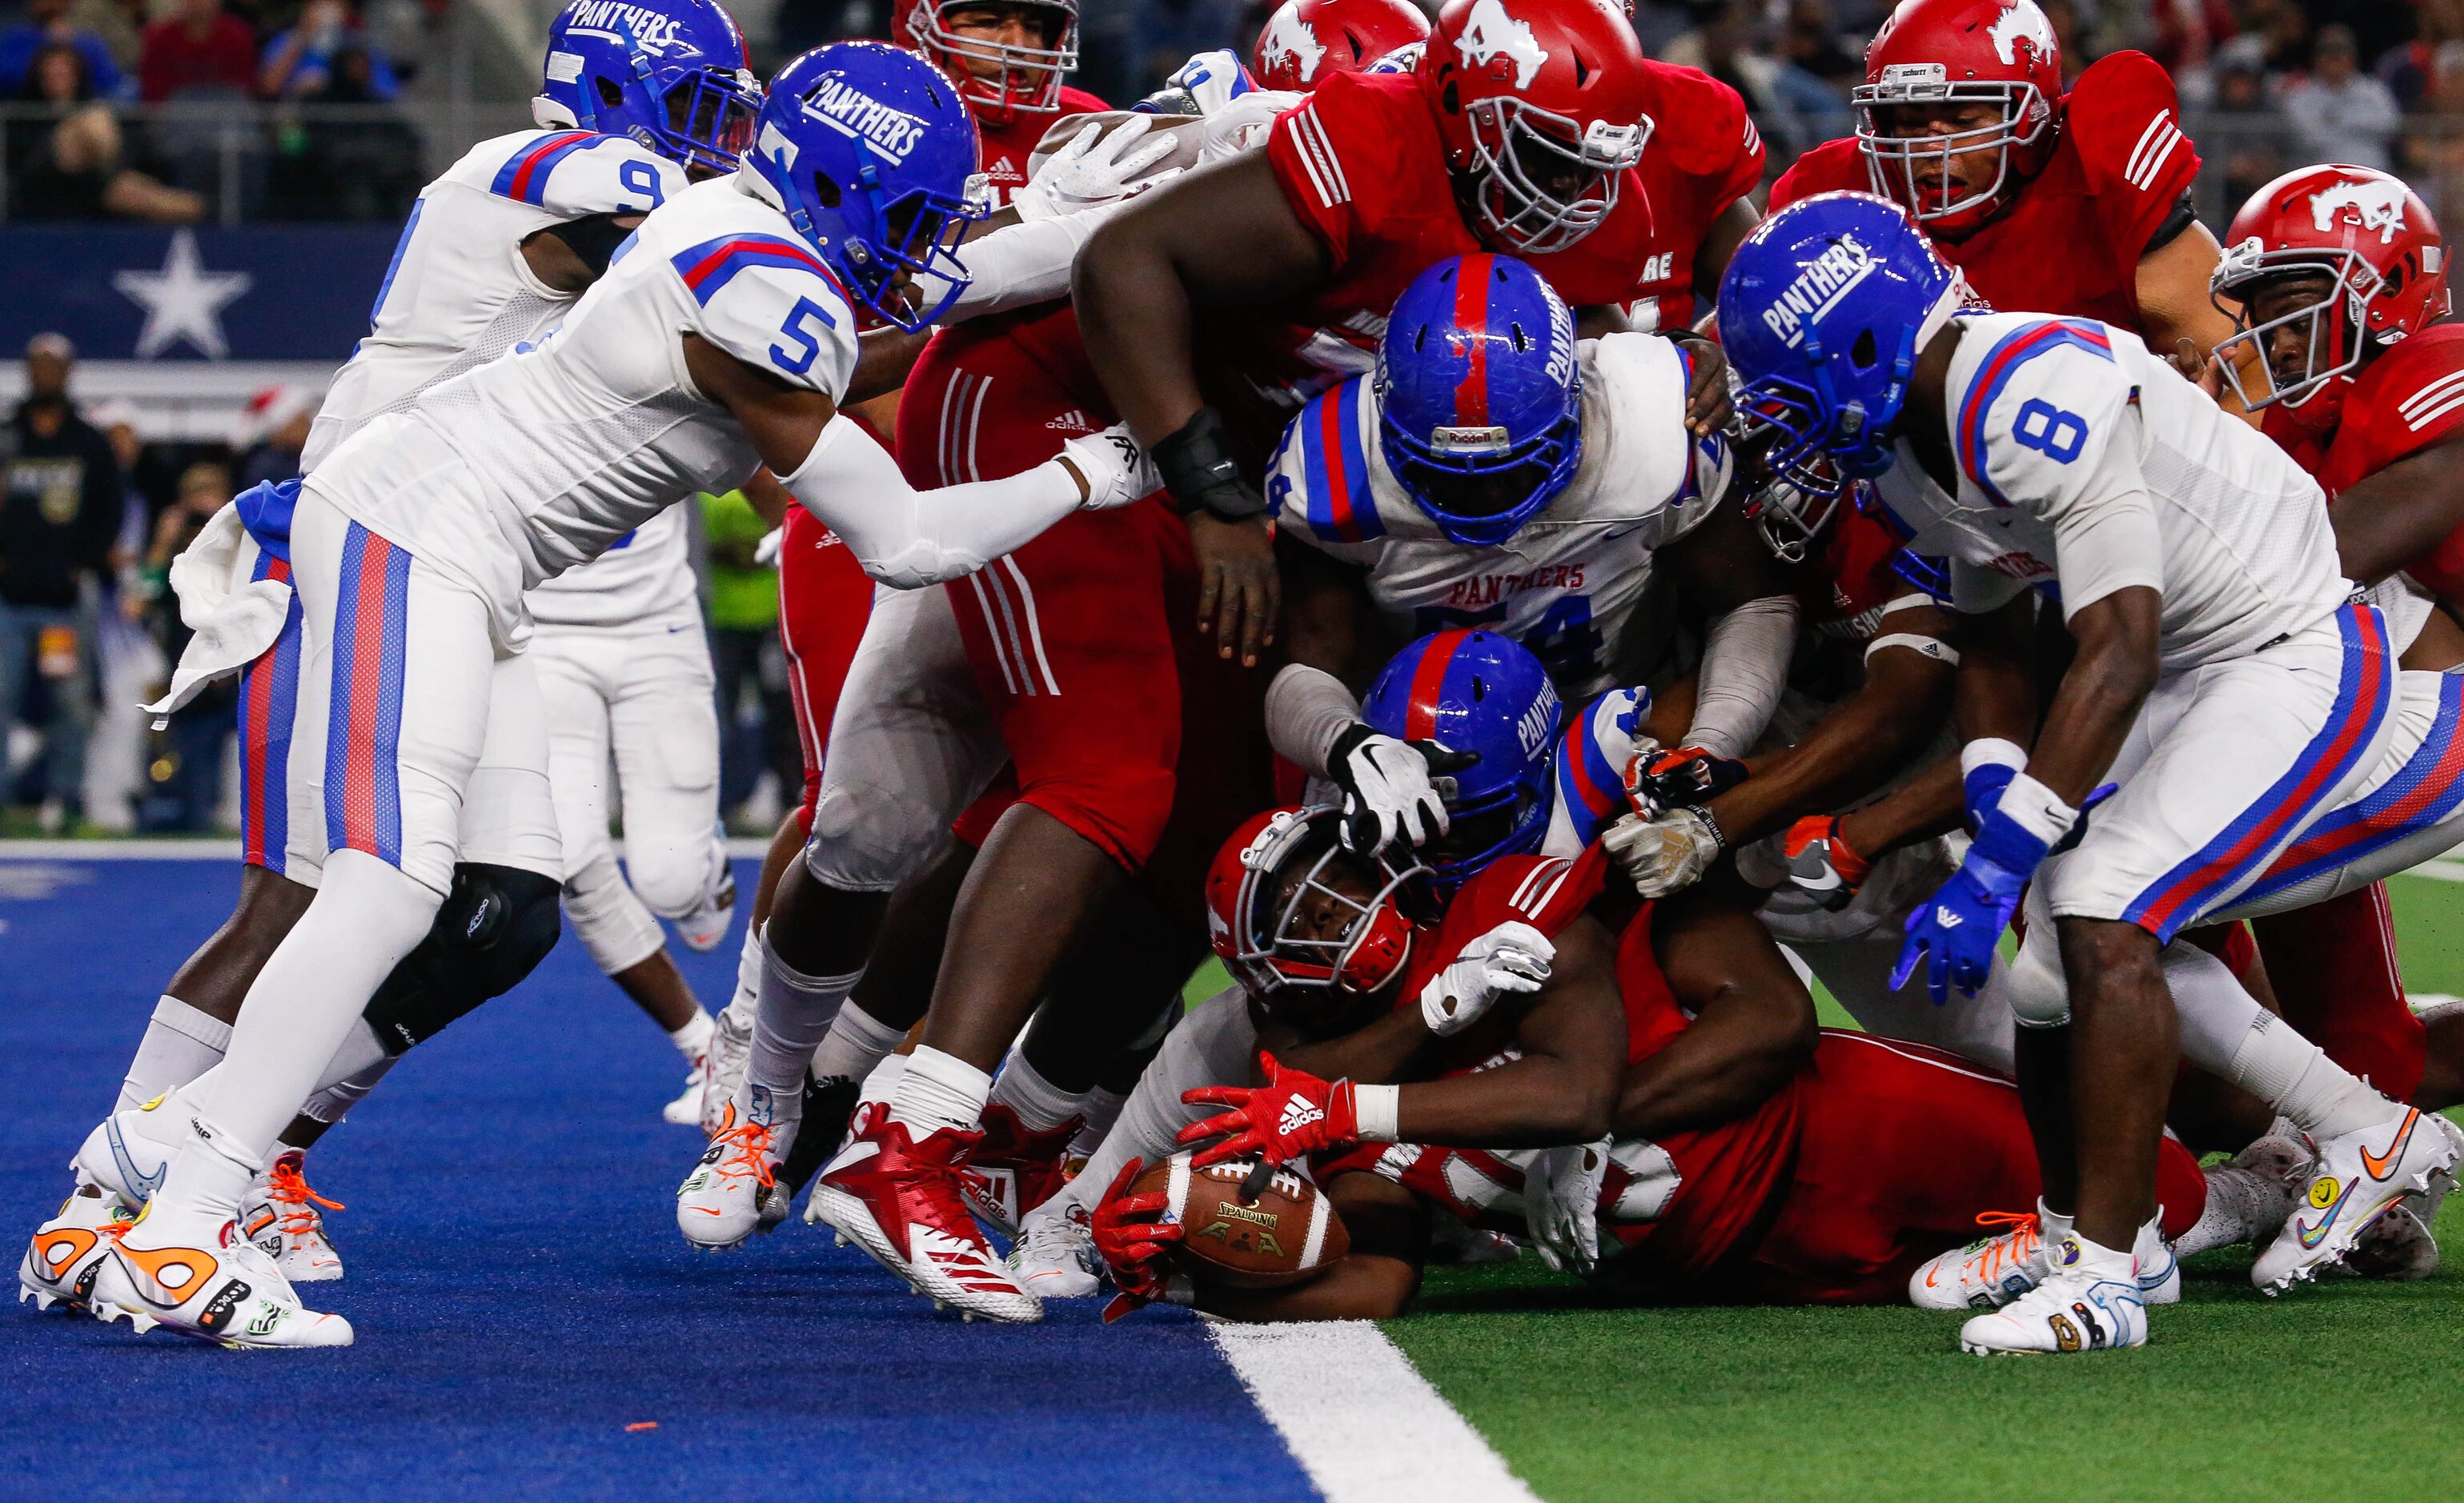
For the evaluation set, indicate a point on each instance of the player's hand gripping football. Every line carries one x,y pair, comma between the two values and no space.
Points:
1392,789
1131,1241
1096,168
1511,958
1561,1200
1290,1117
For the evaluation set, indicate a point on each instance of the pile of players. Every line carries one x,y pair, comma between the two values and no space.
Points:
1318,533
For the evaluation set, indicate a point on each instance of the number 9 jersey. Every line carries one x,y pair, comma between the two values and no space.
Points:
561,448
1566,585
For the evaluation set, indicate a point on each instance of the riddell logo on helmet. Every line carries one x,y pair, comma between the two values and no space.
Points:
2377,205
2023,22
1817,289
1491,33
1286,37
851,111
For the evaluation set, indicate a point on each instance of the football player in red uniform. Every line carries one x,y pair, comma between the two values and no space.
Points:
2074,203
1532,127
1306,42
2339,276
1009,58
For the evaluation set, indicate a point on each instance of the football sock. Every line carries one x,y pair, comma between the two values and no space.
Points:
2238,1209
1102,1109
181,1043
210,1175
857,1041
1214,1045
693,1040
1040,1104
366,916
939,1091
2225,1033
746,1004
882,1083
797,1010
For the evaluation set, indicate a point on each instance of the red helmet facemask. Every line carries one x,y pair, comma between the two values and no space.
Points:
2372,240
1945,54
1029,80
1279,870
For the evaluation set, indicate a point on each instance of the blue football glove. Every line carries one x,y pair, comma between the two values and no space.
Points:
1956,930
1983,786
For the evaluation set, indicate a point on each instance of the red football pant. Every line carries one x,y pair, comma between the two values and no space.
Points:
1902,1147
2334,968
1069,637
824,598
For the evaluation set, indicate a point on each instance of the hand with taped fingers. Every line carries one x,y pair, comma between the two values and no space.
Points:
1290,1117
1131,1241
1097,168
1392,789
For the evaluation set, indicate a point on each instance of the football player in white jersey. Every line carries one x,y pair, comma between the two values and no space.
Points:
719,339
635,97
2225,680
1496,473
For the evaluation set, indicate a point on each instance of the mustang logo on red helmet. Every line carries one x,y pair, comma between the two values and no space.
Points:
1492,33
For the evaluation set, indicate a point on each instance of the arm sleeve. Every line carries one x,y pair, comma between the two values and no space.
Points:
1021,265
1306,709
906,538
1744,666
767,302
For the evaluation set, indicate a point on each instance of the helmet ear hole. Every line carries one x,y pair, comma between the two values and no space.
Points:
609,94
1865,351
825,190
1448,100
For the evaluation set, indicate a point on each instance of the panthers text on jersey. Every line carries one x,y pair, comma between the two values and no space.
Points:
558,450
458,293
2061,430
1566,583
2070,240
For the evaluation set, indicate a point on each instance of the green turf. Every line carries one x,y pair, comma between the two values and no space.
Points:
2238,1396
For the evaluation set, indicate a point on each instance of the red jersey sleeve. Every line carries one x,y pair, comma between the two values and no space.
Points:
2411,399
1703,129
1828,168
2124,121
1333,153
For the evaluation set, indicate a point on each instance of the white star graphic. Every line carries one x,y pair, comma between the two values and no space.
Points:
183,301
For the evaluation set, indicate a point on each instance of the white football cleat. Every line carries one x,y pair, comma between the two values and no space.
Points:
197,1276
706,925
279,1215
685,1111
129,1152
60,1259
729,1195
2090,1301
2358,1178
1055,1257
731,1045
1994,1271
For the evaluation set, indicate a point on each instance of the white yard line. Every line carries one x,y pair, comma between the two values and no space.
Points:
1360,1418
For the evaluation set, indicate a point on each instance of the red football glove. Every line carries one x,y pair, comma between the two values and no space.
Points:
1290,1117
1678,777
1132,1242
1822,864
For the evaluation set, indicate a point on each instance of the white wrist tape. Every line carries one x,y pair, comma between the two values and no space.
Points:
1380,1110
2037,808
1992,752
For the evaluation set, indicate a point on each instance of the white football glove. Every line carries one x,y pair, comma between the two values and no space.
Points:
1666,854
1115,466
1512,957
1561,1197
1095,169
1387,791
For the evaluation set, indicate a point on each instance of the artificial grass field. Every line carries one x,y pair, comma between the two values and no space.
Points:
2344,1391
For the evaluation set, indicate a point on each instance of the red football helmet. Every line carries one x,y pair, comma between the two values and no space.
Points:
1029,80
1306,41
1539,103
1949,52
2372,237
1282,871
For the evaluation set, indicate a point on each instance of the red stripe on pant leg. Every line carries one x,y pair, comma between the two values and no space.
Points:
367,676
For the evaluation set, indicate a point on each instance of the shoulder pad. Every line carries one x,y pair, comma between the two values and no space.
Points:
570,173
2124,119
771,302
2039,410
1323,481
2418,393
1700,125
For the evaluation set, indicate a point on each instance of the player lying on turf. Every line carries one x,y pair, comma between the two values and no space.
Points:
2057,452
1834,1185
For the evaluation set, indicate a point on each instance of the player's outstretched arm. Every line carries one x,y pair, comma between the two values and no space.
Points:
1754,1027
2400,514
2177,313
1728,576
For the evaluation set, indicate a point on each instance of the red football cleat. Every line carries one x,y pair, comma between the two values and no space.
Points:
1015,1170
900,1200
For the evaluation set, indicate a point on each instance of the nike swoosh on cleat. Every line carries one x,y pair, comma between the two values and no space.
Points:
143,1185
2311,1236
2376,1164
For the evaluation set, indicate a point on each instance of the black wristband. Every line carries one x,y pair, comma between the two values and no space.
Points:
1198,469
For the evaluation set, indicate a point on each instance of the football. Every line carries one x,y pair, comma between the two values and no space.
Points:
1187,135
1285,1234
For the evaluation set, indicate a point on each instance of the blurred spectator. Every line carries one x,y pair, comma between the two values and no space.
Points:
2063,15
70,160
1810,38
302,62
271,433
2409,69
363,165
2438,158
186,774
2185,34
2274,37
2339,113
2243,131
196,50
745,655
1793,109
56,525
1164,34
47,24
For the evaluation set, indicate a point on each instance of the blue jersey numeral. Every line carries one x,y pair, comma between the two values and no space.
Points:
642,178
1564,640
2049,430
804,311
401,249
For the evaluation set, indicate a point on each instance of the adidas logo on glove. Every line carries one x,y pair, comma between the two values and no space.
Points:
1298,1114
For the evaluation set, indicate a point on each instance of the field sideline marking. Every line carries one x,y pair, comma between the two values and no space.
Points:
1359,1418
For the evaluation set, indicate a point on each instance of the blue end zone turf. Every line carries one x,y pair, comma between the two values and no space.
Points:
518,1287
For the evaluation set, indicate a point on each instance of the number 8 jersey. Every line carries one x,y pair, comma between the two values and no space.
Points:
2075,448
569,444
1566,583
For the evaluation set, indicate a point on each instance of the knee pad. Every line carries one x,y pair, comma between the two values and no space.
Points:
496,927
856,849
612,922
2040,994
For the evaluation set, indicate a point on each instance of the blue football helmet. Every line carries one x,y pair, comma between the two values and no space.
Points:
871,155
1822,312
1476,691
673,75
1480,398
